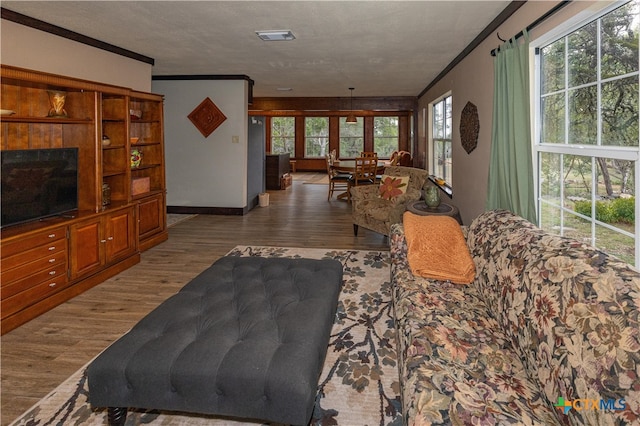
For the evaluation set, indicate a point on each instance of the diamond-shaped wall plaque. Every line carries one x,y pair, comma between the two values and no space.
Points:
207,117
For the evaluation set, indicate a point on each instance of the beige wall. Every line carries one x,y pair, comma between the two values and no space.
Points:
472,80
26,47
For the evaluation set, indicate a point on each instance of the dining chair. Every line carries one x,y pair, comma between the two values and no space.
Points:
368,154
364,173
337,181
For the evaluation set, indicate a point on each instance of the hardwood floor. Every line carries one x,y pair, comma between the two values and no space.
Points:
41,354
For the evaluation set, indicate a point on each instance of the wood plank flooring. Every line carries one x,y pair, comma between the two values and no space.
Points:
41,354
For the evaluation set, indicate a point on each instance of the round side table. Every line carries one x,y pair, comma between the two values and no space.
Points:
420,208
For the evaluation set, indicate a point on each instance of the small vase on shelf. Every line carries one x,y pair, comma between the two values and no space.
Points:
432,197
56,100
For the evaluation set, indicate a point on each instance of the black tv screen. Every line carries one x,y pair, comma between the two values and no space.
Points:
38,183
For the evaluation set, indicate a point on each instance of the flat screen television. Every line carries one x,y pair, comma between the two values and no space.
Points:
38,183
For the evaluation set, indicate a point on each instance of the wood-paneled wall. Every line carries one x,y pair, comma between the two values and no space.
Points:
366,108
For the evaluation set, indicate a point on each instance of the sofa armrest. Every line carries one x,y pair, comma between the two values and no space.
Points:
364,192
398,248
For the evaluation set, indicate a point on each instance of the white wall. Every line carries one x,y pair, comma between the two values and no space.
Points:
212,171
472,80
25,47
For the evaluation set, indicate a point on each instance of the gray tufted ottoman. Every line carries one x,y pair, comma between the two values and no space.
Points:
246,338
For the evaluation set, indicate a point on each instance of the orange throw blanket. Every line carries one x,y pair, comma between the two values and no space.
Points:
437,249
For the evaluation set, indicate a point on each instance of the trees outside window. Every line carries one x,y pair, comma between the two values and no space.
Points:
283,135
351,138
441,163
587,144
385,136
316,137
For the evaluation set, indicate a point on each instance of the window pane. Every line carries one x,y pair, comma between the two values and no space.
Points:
576,227
616,178
447,118
583,55
552,61
385,136
577,180
283,135
351,138
553,119
550,174
316,141
615,243
550,218
619,32
620,112
583,117
438,120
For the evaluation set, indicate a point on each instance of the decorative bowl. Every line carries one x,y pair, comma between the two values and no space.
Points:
136,114
136,158
134,140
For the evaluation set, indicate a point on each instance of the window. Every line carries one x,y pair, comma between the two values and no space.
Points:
440,147
283,135
316,136
385,136
586,143
351,138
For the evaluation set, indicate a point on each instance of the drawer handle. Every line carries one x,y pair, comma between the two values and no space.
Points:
52,285
52,261
110,238
52,248
103,241
52,272
52,235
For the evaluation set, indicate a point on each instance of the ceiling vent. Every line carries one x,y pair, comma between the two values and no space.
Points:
276,35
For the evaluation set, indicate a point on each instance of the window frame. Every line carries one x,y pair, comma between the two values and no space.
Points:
432,166
360,124
307,136
386,138
292,137
592,151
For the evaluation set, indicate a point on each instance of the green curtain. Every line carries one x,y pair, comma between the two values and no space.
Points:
511,168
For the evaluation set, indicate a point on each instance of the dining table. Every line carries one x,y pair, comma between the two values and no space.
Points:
349,166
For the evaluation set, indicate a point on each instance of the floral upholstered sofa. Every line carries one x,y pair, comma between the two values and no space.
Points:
547,333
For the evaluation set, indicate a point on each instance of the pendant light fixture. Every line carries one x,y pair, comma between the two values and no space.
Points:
351,118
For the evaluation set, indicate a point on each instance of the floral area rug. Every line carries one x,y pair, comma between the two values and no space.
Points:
359,382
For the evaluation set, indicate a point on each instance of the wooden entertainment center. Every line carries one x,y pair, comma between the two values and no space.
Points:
121,204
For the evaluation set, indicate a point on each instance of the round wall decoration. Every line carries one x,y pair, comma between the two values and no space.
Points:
469,127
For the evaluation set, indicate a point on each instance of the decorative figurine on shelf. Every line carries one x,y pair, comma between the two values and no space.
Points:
106,194
432,197
136,158
57,99
105,140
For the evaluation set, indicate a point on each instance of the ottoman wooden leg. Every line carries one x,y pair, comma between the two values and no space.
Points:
117,416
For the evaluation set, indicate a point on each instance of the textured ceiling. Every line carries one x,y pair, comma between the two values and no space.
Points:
381,48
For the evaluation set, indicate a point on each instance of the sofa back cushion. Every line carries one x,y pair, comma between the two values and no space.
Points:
570,310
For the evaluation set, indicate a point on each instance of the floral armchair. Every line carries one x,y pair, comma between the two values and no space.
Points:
373,212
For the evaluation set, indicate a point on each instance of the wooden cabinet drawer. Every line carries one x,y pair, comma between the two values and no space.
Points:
40,254
24,243
23,299
52,274
27,270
